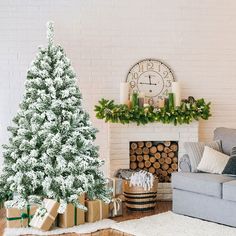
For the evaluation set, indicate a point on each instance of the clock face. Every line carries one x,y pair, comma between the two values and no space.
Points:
151,77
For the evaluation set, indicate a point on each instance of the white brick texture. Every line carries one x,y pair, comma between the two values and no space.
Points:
103,38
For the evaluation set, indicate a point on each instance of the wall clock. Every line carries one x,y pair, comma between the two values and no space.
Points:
152,77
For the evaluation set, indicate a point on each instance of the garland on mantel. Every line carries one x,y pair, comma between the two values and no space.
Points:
189,110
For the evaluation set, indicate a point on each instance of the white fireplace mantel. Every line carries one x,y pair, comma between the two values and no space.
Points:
121,135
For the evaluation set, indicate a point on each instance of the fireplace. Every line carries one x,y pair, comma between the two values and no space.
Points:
122,136
157,157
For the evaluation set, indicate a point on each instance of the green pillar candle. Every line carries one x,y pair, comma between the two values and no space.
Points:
171,100
134,99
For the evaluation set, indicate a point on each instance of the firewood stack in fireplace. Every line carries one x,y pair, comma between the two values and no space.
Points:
159,158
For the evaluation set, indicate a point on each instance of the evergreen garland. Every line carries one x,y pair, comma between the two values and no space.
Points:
189,110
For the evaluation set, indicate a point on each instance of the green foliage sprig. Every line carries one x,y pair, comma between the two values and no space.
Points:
189,110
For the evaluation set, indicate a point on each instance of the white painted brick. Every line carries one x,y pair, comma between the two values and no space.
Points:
104,38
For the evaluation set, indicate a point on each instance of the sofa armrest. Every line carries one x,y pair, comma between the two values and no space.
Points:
184,163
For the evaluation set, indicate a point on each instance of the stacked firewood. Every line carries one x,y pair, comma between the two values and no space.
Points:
158,158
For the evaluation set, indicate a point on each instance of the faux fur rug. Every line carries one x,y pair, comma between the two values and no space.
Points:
165,224
171,224
85,228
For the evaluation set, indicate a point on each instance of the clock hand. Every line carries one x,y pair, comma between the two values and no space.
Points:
149,79
147,83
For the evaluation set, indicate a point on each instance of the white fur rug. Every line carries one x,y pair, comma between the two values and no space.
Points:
165,224
170,224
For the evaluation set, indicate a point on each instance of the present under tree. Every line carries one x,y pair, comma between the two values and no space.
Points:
51,150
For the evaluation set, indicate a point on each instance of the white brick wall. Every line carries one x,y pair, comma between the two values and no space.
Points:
103,38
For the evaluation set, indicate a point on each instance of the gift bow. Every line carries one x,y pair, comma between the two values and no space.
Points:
116,205
22,216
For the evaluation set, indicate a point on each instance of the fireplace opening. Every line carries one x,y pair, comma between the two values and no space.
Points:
157,157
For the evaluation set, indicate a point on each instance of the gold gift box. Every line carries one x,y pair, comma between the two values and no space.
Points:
72,215
17,218
97,210
45,221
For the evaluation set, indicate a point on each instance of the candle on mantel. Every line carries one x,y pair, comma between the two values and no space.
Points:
141,97
161,103
176,92
124,93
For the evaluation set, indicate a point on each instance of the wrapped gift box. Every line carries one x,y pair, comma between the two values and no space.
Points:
16,218
117,186
46,215
97,210
115,207
72,215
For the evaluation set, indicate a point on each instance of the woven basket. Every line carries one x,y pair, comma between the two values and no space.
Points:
137,199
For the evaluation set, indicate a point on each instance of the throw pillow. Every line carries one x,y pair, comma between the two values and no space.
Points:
230,168
213,161
195,151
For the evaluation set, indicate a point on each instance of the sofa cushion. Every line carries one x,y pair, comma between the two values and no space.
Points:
227,137
195,151
229,190
184,163
203,183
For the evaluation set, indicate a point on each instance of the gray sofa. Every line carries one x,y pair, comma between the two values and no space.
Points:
206,196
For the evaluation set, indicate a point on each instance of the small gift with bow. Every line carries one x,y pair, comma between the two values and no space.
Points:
17,218
115,207
96,210
72,215
45,215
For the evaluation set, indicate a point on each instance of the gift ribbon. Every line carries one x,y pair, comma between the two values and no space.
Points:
116,205
75,215
100,209
22,217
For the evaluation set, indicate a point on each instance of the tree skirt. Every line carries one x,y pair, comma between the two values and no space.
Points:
82,229
165,224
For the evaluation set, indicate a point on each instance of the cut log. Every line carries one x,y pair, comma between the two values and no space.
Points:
133,157
156,165
164,173
145,150
175,159
161,178
148,144
171,154
167,150
133,146
140,144
146,157
157,155
174,147
152,170
167,160
141,165
170,170
163,154
167,178
153,150
161,160
132,151
158,171
139,158
152,159
165,166
147,164
167,143
160,147
139,151
133,165
174,166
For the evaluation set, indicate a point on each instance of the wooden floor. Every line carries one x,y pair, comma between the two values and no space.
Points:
127,215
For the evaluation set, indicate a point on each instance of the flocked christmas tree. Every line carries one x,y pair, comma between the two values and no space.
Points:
51,152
